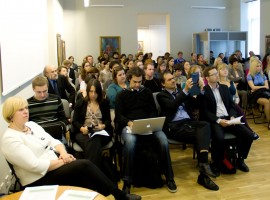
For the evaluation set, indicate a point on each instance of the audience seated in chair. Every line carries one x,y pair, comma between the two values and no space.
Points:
149,80
31,151
119,83
180,125
47,109
91,116
218,107
59,84
258,83
137,102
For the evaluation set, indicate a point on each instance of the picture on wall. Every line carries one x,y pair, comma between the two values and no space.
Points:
267,44
59,49
63,50
140,46
110,44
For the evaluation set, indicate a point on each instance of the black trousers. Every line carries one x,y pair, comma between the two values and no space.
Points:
190,132
93,147
80,173
244,137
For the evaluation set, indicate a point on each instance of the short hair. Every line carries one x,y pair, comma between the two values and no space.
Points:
39,81
180,52
60,68
162,79
179,67
114,62
11,105
146,64
135,71
207,69
115,71
233,59
71,57
66,62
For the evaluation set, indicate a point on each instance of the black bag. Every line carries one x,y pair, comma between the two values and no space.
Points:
56,129
229,162
147,169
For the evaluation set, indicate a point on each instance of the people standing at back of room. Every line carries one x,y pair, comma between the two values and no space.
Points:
59,84
179,58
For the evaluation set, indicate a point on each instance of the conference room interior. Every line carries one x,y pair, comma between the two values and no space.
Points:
32,43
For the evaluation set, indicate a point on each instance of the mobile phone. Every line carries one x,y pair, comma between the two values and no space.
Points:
195,77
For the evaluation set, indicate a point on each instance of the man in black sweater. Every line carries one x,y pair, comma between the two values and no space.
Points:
134,103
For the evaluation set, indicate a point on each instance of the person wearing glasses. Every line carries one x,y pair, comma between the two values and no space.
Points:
218,108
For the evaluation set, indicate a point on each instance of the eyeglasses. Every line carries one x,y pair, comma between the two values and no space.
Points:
215,74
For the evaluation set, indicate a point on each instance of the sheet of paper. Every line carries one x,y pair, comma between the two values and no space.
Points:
103,132
77,195
40,193
235,121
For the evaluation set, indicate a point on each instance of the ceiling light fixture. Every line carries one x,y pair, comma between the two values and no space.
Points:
209,7
86,3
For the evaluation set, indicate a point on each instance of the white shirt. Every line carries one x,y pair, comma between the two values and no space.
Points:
30,154
221,109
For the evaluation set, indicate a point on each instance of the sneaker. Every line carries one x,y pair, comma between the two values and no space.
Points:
171,186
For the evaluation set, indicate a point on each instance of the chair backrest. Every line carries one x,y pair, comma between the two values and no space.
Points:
17,180
156,102
66,107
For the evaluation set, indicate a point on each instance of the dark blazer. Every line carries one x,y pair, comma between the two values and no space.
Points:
169,105
80,112
63,85
209,108
72,75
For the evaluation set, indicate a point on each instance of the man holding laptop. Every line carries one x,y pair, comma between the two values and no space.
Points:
134,103
180,126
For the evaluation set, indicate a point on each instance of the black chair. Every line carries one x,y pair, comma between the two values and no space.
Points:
17,183
171,141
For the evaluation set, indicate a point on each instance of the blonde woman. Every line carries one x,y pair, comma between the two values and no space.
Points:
258,83
31,151
223,79
217,61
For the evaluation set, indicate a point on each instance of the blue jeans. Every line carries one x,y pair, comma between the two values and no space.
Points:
130,141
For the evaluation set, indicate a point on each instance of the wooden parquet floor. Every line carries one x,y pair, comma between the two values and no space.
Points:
254,185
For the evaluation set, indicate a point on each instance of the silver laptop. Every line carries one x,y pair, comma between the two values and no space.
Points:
147,126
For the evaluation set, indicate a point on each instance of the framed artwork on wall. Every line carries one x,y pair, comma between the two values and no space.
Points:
140,46
63,50
110,44
267,44
59,49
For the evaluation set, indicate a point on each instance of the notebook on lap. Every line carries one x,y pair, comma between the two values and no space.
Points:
147,126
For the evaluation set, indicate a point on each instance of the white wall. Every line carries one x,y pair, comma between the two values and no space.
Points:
92,22
55,24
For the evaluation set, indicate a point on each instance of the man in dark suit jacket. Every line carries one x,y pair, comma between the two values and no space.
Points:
59,84
218,109
180,125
